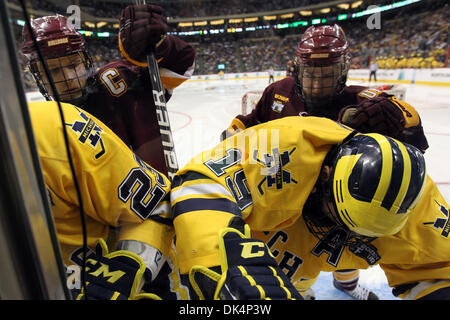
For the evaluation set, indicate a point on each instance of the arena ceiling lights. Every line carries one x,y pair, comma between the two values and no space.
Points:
356,4
251,19
313,21
217,22
287,16
384,8
200,23
223,21
344,6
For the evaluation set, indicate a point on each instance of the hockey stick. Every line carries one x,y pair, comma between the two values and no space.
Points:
161,113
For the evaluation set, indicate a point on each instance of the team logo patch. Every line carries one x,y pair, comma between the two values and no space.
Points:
275,174
441,223
277,106
89,132
365,251
56,42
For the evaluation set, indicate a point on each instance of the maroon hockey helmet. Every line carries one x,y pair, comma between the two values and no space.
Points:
321,52
56,38
322,44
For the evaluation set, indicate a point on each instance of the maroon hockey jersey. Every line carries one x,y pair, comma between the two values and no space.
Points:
281,99
121,97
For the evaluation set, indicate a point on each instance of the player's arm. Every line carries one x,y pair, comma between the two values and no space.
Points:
121,274
143,28
120,190
427,278
424,290
214,246
236,126
389,116
439,293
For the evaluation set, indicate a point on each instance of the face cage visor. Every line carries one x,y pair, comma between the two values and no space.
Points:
320,83
69,74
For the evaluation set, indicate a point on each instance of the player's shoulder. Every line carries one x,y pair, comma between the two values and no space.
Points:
355,89
284,85
116,77
286,81
47,126
119,64
115,68
44,114
46,117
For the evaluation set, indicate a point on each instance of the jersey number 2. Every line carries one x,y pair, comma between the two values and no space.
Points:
138,196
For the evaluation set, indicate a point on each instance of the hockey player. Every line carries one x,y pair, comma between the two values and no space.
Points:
290,68
318,87
322,197
271,75
107,172
119,93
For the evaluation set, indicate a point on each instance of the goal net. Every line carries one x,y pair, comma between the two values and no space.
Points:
249,100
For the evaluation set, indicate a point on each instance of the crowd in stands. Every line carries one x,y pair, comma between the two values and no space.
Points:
103,50
405,40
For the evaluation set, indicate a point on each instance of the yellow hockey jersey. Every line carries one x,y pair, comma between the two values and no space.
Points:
265,174
118,189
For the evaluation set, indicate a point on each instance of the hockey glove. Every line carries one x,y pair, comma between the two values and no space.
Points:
228,133
118,275
142,29
248,272
235,127
378,115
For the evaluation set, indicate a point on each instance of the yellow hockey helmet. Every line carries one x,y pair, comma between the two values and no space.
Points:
376,182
